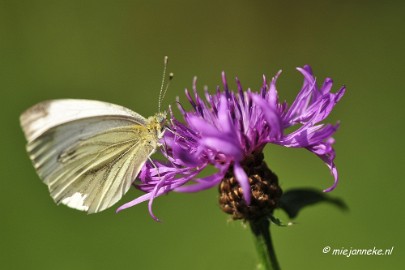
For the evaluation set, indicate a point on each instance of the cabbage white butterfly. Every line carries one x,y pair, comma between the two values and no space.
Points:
89,152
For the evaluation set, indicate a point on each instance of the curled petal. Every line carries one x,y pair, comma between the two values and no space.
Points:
134,202
308,135
331,165
243,180
326,153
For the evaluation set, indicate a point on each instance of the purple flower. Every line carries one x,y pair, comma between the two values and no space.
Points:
229,127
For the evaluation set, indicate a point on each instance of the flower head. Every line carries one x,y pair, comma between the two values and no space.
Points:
229,131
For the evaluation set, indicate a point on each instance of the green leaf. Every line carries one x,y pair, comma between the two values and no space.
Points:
294,200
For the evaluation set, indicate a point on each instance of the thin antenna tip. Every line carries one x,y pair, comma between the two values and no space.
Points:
163,93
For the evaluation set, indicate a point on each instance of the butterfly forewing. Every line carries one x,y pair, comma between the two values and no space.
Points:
87,152
48,114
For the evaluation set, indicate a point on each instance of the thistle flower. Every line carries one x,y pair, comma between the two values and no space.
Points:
229,131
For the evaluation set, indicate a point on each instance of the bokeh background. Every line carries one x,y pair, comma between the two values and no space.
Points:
113,51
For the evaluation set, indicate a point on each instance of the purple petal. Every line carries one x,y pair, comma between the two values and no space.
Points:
243,180
202,126
224,118
308,135
307,72
224,145
340,94
271,116
326,105
190,99
203,183
273,95
156,192
240,91
333,170
299,105
138,200
327,86
308,69
184,156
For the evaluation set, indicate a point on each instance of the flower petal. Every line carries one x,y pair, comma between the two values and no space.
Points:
243,180
273,95
203,183
136,201
224,119
270,115
224,144
202,126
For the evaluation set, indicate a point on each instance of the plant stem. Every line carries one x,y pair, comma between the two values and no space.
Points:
261,231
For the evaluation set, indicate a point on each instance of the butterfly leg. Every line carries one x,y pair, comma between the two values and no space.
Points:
154,165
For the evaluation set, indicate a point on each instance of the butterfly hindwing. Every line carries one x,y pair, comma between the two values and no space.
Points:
98,171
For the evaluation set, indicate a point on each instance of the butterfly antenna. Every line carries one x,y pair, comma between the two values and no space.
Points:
171,75
166,60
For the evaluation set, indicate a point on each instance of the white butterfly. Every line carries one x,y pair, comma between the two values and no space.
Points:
89,152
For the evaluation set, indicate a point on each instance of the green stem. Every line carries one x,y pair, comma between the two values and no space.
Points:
261,231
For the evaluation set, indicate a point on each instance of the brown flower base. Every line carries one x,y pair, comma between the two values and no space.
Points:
264,187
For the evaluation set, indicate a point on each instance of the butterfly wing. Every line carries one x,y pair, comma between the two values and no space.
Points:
86,152
48,114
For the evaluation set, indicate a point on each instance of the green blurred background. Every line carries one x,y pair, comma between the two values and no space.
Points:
113,51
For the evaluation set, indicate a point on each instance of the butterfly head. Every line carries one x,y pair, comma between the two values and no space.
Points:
160,118
157,123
